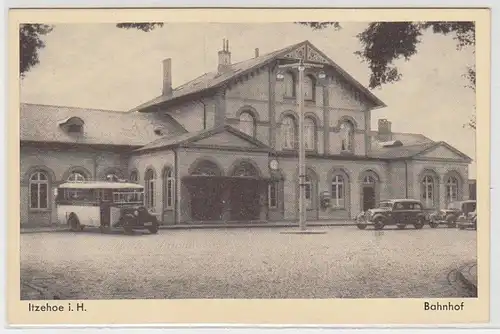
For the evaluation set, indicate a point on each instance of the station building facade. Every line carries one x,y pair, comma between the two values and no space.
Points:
223,147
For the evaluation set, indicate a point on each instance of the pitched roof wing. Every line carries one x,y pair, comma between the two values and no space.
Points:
214,79
186,138
41,123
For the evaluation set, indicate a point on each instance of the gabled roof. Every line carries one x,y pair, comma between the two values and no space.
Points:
41,123
400,151
413,151
213,80
192,137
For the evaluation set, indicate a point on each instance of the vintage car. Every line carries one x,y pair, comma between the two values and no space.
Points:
399,212
449,216
467,220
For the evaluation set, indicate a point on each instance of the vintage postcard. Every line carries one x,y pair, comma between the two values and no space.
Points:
248,166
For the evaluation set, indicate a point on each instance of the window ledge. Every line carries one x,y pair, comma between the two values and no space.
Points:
39,210
346,152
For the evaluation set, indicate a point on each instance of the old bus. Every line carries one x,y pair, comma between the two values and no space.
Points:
106,205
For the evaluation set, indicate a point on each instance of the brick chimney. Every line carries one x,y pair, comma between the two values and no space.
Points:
167,77
224,57
256,52
384,130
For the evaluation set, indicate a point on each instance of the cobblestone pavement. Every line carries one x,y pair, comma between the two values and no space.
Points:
247,263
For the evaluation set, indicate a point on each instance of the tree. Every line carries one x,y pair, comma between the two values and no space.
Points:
31,40
30,43
385,42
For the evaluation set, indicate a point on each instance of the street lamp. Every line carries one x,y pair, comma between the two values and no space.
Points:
301,67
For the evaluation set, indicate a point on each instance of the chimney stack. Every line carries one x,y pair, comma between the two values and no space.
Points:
167,77
384,129
256,52
224,57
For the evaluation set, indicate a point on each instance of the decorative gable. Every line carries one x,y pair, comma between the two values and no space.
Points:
443,151
225,139
314,56
297,53
308,53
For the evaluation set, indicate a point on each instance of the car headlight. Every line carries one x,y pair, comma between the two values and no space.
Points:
136,213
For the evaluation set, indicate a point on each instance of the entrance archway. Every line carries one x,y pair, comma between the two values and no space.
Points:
206,191
245,191
369,190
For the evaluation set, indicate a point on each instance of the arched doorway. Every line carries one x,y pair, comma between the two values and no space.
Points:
369,190
244,192
206,191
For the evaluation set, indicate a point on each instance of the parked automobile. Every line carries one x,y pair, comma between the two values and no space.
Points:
399,212
467,221
449,216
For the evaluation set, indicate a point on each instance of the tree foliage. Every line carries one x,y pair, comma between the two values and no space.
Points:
382,43
31,40
30,43
144,26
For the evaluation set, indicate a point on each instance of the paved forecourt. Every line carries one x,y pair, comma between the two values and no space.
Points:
247,263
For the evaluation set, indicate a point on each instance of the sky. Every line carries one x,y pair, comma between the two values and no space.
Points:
101,66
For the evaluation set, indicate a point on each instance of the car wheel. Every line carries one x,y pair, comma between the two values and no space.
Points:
128,230
401,226
433,224
104,229
419,224
378,224
361,226
461,227
74,223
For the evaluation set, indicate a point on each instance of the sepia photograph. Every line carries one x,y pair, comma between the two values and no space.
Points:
248,160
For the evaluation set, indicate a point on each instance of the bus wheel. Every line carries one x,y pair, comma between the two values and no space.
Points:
153,229
74,223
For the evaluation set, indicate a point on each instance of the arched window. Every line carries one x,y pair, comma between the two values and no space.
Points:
451,189
168,189
134,177
150,179
427,191
347,136
247,124
288,133
309,88
273,194
76,177
338,192
39,191
309,134
112,177
289,82
369,180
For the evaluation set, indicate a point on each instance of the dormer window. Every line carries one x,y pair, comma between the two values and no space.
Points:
72,125
74,128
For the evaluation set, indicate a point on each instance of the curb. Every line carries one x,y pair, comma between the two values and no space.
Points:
44,293
199,226
466,278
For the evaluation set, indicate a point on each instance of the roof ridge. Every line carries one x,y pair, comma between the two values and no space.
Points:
71,107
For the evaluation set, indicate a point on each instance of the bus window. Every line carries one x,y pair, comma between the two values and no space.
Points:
106,195
80,195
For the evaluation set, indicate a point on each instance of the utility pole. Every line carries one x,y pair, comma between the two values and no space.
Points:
301,67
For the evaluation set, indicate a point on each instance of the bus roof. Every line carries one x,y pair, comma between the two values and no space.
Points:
100,185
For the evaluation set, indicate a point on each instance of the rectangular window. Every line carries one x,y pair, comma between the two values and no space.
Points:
169,194
151,194
273,195
44,195
34,196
